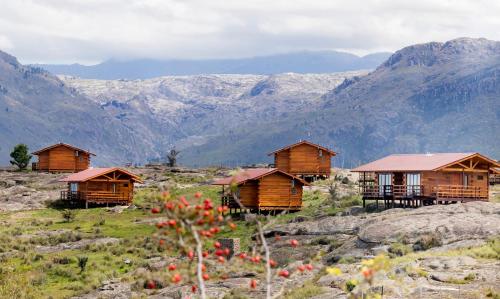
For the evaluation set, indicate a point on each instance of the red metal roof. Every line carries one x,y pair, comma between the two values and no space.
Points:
304,142
413,162
252,174
91,173
62,144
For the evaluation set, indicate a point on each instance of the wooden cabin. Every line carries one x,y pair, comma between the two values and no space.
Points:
304,159
100,186
262,189
61,157
422,179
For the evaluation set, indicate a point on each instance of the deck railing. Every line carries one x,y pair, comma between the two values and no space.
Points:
97,196
398,191
459,191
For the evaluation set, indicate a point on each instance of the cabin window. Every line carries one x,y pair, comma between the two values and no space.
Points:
294,191
480,177
125,185
384,182
413,183
77,153
320,153
80,159
73,187
293,183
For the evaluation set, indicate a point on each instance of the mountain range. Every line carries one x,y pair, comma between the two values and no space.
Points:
298,62
431,97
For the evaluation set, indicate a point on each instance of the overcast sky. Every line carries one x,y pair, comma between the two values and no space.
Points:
90,31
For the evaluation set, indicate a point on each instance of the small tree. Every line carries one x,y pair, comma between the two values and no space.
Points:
20,156
82,263
68,215
172,157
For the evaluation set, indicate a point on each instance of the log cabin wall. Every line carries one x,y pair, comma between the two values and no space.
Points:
249,194
275,190
305,159
43,161
282,160
63,159
431,179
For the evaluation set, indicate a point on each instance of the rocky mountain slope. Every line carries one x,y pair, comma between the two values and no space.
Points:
299,62
430,97
37,108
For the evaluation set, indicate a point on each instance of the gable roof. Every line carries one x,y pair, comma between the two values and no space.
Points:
418,162
254,174
91,173
61,144
304,142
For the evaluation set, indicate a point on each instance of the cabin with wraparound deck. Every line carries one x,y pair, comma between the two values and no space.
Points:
262,189
412,180
61,157
100,186
304,159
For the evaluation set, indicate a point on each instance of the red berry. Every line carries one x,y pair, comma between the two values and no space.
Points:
284,273
176,278
198,194
150,284
155,210
294,243
301,268
184,201
217,244
205,253
309,267
203,268
159,225
165,194
277,237
220,209
232,225
272,263
243,255
162,242
256,259
194,288
172,267
227,251
221,259
206,213
169,206
219,252
190,254
253,283
206,276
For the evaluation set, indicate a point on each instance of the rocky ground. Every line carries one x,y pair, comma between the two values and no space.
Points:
445,251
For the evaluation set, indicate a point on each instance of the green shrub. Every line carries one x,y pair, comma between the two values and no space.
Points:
82,263
350,285
68,215
427,241
399,249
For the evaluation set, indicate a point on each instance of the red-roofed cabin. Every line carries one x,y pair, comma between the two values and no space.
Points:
304,159
262,189
61,157
420,179
100,186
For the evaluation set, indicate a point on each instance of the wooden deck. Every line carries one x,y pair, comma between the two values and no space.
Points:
417,195
97,197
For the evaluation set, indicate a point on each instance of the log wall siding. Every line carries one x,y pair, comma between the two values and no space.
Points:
275,190
282,160
63,159
122,185
304,159
249,194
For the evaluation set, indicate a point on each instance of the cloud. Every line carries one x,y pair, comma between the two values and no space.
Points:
95,30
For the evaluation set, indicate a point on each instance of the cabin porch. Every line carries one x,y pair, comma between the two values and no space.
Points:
96,197
417,195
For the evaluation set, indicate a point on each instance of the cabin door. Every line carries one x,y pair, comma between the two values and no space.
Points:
466,180
413,184
385,183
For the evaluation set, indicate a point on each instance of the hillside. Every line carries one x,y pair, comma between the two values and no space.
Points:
299,62
431,97
37,108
